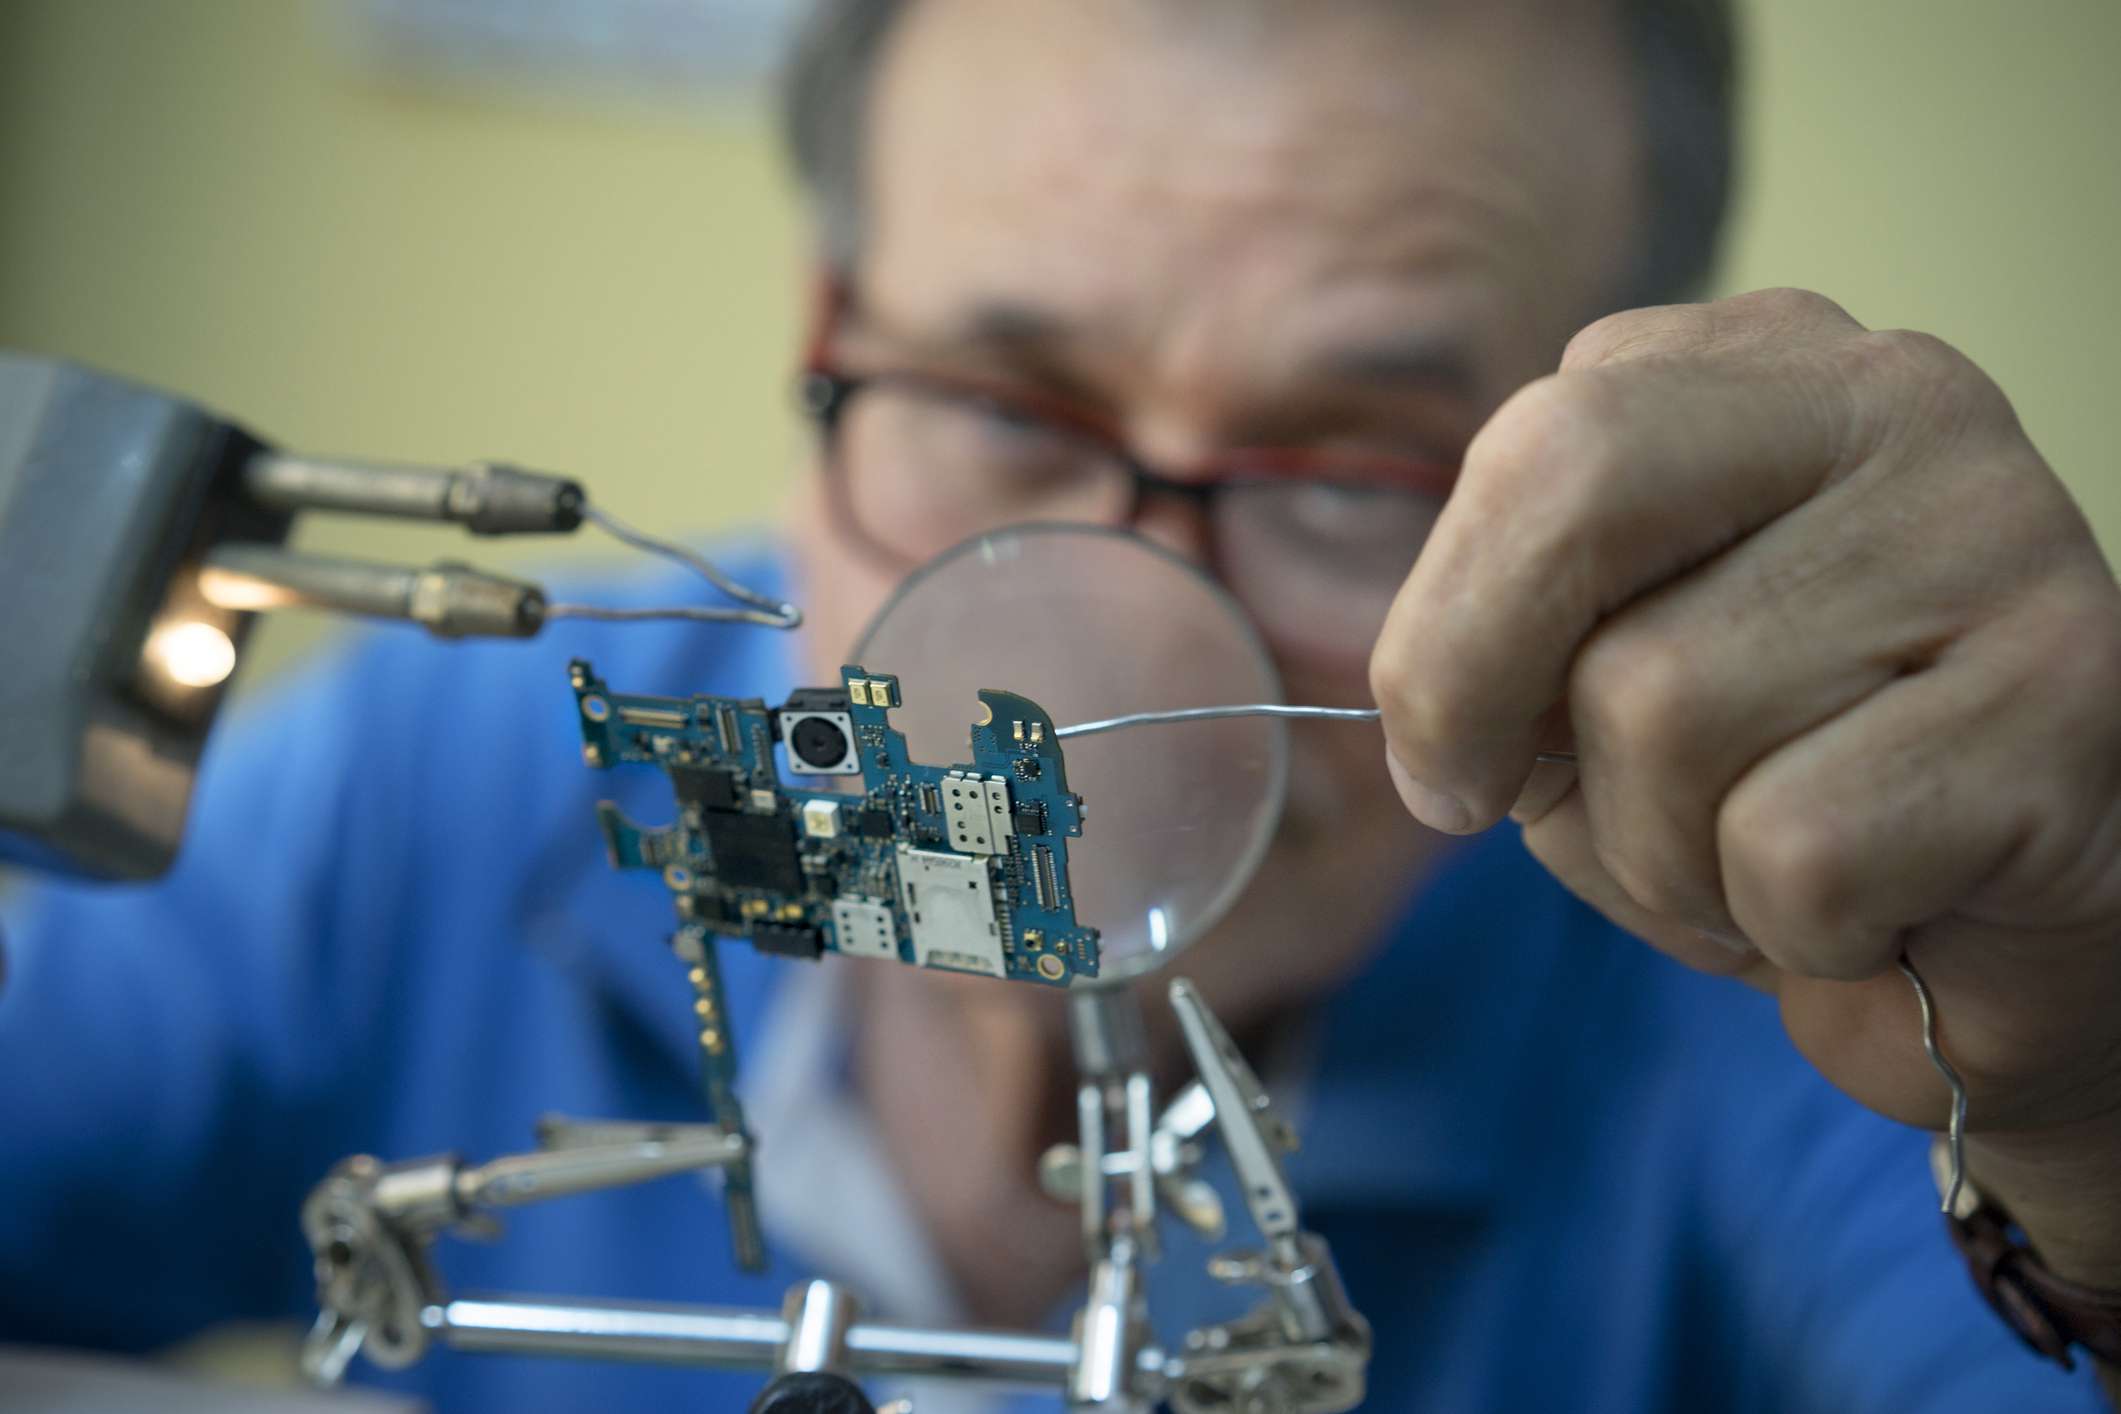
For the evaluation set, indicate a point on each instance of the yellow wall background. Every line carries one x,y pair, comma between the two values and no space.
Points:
1953,166
206,195
210,196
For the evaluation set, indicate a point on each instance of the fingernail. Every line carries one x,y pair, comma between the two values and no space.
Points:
1432,807
1729,942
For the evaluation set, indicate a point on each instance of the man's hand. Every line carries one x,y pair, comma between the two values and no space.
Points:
1842,665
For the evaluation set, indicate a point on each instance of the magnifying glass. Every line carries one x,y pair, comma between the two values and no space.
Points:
1092,624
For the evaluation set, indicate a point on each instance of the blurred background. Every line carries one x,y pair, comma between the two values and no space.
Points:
425,230
557,233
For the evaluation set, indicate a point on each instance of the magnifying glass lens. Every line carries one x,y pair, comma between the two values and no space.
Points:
1092,623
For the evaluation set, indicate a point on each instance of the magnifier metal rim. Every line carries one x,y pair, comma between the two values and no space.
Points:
991,546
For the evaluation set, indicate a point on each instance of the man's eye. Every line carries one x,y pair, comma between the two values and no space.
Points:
1345,513
1004,420
1359,532
1023,443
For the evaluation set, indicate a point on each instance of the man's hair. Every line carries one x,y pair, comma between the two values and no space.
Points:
1684,55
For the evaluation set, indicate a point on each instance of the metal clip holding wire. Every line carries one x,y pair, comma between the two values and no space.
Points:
449,599
757,608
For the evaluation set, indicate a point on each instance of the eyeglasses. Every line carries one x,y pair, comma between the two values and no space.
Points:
1313,542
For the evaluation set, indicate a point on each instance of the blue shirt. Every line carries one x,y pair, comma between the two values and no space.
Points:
1559,1171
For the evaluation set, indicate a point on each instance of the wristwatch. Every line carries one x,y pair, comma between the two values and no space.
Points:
2049,1314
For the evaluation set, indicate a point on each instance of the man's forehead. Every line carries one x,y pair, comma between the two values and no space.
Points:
1417,344
1041,167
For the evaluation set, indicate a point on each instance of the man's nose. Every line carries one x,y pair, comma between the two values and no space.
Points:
1178,523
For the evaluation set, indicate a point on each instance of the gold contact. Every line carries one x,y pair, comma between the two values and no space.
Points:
755,908
880,693
858,691
1051,967
1046,877
652,717
791,911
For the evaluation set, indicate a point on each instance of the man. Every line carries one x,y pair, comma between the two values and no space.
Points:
1835,651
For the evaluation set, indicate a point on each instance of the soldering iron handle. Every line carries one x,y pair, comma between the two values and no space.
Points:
451,600
487,498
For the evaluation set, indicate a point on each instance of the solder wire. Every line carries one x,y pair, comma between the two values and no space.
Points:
1209,714
1956,1126
758,608
1955,1131
1252,709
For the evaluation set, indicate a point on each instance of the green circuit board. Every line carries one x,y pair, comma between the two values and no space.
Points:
962,867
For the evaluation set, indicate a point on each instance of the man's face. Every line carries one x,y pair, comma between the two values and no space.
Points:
1235,223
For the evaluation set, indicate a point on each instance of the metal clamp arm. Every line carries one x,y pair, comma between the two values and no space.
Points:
1306,1350
578,1165
370,1224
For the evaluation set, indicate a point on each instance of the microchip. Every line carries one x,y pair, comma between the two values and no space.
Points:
754,851
1027,768
1030,818
709,787
787,940
873,823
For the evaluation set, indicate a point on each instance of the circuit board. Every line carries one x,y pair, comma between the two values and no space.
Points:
961,867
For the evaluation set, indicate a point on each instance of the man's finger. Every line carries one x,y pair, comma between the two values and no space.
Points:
1941,794
1583,492
1560,839
1676,696
1698,330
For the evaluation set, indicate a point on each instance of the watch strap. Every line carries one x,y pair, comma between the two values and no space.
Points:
2049,1314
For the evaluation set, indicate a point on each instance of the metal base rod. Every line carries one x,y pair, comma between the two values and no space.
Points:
737,1338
